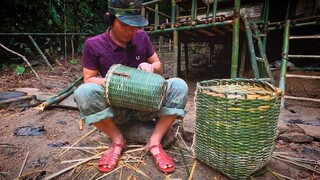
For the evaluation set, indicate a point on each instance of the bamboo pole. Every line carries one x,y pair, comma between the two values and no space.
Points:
190,27
284,60
23,57
251,47
45,34
71,85
53,100
61,96
235,39
214,11
263,55
243,57
41,53
65,30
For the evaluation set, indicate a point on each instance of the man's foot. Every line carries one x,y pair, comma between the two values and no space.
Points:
110,158
161,159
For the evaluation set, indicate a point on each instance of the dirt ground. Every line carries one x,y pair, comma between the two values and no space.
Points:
37,157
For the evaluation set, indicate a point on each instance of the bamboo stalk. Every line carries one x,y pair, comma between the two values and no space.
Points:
53,100
71,85
23,57
60,96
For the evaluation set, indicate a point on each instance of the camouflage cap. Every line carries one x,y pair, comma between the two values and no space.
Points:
128,11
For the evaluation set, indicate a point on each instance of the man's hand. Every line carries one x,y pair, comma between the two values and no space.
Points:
146,67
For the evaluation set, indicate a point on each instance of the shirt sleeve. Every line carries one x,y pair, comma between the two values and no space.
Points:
149,47
89,56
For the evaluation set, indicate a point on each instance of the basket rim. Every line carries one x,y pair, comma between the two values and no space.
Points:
271,90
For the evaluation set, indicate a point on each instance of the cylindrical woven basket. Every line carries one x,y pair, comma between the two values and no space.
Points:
132,88
236,123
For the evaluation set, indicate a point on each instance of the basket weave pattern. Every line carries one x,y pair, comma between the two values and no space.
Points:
236,123
131,88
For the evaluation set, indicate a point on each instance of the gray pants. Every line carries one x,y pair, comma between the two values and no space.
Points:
90,99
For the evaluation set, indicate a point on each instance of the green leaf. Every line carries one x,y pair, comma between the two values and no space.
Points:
20,70
74,61
59,49
50,22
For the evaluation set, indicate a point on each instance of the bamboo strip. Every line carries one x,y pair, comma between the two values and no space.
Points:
277,175
302,98
94,175
24,163
136,169
317,170
77,175
136,166
87,148
193,169
92,131
104,175
302,76
73,166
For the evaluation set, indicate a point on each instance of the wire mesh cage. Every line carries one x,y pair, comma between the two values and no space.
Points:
236,123
132,88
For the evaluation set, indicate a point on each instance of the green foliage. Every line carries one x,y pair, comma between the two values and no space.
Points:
20,70
54,16
74,61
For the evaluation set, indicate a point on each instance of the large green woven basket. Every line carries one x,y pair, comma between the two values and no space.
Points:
134,89
236,123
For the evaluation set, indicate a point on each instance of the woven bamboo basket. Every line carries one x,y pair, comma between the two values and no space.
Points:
236,123
132,88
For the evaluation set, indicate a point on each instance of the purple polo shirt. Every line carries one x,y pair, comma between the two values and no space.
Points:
101,52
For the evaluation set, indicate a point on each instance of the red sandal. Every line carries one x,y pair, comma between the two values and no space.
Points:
161,159
109,158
